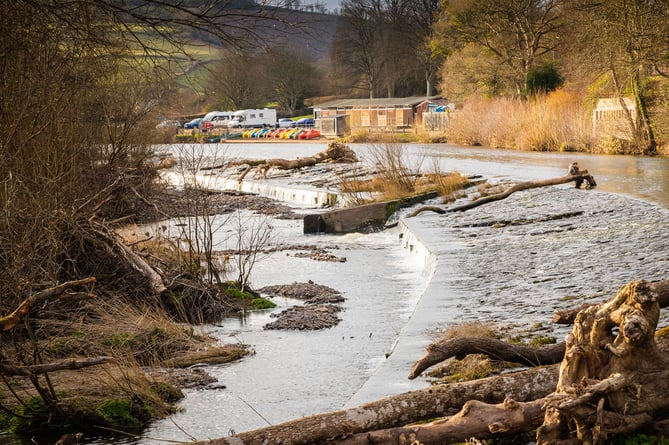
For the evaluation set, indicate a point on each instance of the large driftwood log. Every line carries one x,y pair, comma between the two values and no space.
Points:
117,248
336,152
492,347
10,321
28,371
611,380
579,177
612,369
411,407
660,288
499,350
476,419
154,279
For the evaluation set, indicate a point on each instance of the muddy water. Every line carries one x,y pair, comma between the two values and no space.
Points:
511,263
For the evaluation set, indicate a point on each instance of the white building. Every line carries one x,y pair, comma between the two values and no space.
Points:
610,120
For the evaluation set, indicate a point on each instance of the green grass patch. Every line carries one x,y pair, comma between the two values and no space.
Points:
118,412
32,416
262,303
256,301
542,340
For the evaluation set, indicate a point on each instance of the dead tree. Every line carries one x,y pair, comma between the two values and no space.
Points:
567,316
476,419
612,378
492,347
396,411
9,321
579,177
495,349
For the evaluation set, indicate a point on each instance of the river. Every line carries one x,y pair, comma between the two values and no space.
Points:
504,263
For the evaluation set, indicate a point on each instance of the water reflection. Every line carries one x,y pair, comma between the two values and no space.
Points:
641,177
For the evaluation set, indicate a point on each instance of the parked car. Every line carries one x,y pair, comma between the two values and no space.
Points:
305,122
169,123
195,123
285,123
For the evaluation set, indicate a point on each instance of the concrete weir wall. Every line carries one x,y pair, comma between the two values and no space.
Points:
348,219
342,220
289,193
362,217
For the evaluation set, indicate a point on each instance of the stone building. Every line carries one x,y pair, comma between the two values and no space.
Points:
341,117
610,120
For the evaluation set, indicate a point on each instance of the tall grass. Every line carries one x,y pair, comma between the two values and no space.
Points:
395,171
559,121
397,175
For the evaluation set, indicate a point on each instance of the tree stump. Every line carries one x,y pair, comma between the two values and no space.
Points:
612,376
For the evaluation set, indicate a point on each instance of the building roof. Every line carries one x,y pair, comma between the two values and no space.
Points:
388,102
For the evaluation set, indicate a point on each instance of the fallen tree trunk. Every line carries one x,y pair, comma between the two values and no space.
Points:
155,281
8,322
612,379
574,175
492,347
118,250
336,152
402,409
499,350
29,371
476,419
612,371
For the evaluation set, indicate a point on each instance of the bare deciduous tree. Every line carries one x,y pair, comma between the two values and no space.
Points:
251,236
516,33
625,43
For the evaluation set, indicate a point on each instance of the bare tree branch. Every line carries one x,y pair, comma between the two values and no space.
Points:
28,371
9,321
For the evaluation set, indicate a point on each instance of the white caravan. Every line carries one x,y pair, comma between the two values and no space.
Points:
253,118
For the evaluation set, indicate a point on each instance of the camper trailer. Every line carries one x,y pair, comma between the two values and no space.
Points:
265,117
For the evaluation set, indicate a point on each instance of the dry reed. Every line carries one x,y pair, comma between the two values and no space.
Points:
558,121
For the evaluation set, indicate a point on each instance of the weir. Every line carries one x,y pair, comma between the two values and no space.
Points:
333,211
472,273
390,378
278,189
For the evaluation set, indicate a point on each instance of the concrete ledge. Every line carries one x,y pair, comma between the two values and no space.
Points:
366,217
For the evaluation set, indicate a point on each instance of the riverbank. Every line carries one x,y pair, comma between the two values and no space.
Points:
384,325
505,265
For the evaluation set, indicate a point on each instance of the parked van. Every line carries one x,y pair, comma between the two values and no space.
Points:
265,117
216,119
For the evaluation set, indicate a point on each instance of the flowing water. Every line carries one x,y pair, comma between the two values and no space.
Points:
512,263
